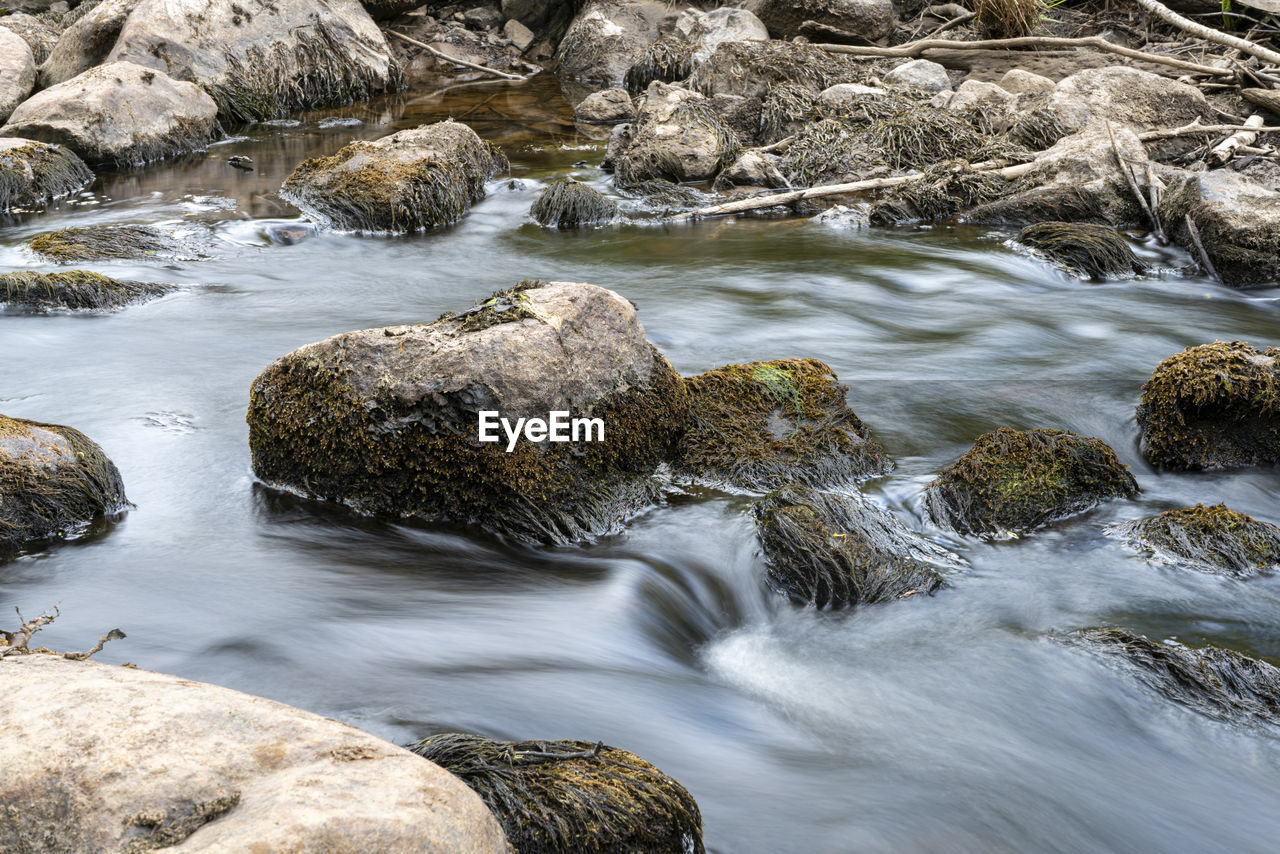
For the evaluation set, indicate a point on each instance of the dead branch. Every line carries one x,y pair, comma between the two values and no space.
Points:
1125,168
1204,256
1169,16
114,634
454,59
18,641
1225,150
1195,127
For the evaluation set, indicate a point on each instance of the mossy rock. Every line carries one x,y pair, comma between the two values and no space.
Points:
74,290
764,425
104,243
572,797
54,481
1214,406
1084,250
566,203
386,420
33,174
660,195
678,136
753,68
1014,481
1219,683
667,60
837,551
1210,539
415,179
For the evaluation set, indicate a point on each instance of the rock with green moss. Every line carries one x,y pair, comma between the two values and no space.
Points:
1214,406
263,60
607,37
54,481
763,425
556,797
1014,481
33,174
86,42
1209,539
74,290
419,178
567,203
105,243
1238,222
120,113
1084,250
835,550
678,137
387,420
1218,683
17,72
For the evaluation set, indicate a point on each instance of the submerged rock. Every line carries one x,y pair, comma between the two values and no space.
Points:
1238,221
125,760
1014,481
386,420
1215,682
53,481
1211,407
567,203
1210,539
119,113
33,174
836,551
420,178
1084,250
104,243
607,37
765,425
75,290
677,137
870,19
17,72
572,796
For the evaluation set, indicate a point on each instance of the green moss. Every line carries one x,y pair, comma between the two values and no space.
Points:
837,550
566,203
32,176
763,425
553,797
1037,130
184,136
102,242
74,290
1213,406
1013,481
667,60
1210,539
1084,250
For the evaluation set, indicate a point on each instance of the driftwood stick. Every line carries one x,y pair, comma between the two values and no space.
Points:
1133,186
454,59
114,634
1204,256
1195,127
1169,16
1225,150
17,641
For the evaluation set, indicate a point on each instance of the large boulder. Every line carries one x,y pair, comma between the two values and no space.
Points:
1126,96
572,796
706,31
764,425
831,550
607,37
678,136
54,481
1014,481
120,113
1212,407
87,42
17,72
870,19
1238,222
753,69
120,759
389,420
1209,539
262,60
38,33
73,290
33,174
414,179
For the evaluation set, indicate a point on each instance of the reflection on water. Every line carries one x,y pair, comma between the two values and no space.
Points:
942,724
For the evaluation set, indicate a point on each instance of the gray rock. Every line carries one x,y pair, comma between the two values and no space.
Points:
921,74
844,95
119,113
87,42
482,18
36,32
619,142
708,30
1021,82
678,137
531,13
606,107
122,759
871,19
1126,96
752,169
17,72
33,174
520,35
975,93
1238,221
607,37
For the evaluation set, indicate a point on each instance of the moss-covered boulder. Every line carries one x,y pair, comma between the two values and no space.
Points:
1013,481
388,420
419,178
752,69
33,174
74,290
1237,219
1085,250
566,203
678,136
764,425
557,797
53,482
606,37
1212,407
1219,683
104,243
833,550
1210,539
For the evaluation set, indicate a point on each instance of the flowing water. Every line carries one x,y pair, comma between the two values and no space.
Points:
943,724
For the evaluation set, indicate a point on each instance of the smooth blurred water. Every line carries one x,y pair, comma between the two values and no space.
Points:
942,724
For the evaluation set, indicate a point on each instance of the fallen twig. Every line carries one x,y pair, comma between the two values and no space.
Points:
1204,256
1225,150
17,642
1169,16
1195,127
1133,185
454,59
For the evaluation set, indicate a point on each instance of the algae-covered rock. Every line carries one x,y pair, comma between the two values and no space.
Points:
752,69
33,174
119,113
104,243
123,760
1084,250
555,797
668,60
836,551
1210,539
677,137
1238,221
53,481
1211,407
1219,683
17,72
74,290
387,420
870,19
764,425
607,37
419,178
567,203
1014,481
